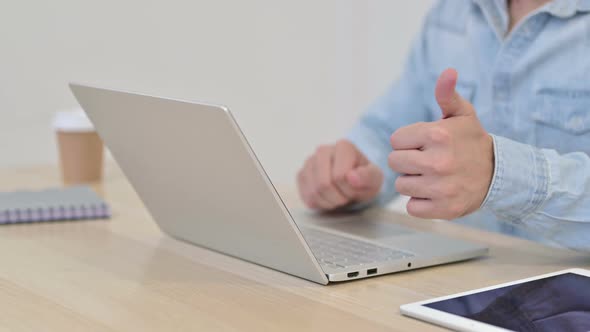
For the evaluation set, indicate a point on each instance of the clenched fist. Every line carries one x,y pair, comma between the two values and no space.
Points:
447,165
338,175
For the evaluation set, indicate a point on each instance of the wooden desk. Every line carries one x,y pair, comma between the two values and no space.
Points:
125,275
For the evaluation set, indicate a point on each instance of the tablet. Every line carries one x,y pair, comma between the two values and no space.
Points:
558,301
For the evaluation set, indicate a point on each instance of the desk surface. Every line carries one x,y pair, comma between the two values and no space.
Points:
125,275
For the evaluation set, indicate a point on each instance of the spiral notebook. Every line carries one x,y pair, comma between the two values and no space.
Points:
71,203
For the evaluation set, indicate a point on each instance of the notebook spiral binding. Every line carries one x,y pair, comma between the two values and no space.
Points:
54,204
95,211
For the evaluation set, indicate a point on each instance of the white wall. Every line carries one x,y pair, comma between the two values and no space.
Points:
295,73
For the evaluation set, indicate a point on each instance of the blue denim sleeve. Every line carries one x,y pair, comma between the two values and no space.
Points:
401,105
543,191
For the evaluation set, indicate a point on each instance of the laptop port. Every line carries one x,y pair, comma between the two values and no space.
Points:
409,264
371,271
353,274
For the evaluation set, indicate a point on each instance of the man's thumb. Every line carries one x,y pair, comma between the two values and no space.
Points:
449,101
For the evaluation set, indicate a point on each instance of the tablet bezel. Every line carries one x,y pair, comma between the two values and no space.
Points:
441,318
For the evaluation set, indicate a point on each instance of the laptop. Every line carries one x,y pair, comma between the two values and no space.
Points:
195,172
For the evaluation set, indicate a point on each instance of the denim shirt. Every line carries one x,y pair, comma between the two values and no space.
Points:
531,90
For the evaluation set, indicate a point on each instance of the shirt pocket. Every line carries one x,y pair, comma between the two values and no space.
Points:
562,120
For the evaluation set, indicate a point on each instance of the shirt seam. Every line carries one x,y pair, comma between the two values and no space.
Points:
540,197
500,187
560,219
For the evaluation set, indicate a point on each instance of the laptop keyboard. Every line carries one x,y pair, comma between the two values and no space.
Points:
339,252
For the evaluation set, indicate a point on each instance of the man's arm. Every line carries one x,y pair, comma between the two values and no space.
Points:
353,173
543,191
401,105
452,167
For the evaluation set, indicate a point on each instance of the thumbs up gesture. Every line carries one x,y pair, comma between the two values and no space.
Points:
446,166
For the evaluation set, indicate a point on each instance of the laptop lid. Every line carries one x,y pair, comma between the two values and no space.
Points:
198,177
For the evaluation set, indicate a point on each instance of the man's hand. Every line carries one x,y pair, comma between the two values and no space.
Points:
447,165
337,175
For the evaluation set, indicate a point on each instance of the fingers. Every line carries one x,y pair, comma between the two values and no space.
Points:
412,162
301,187
431,197
365,177
421,137
434,209
366,181
413,136
321,169
345,159
337,175
428,186
413,186
421,208
448,164
306,187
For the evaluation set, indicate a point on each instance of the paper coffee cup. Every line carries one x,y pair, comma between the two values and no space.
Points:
80,148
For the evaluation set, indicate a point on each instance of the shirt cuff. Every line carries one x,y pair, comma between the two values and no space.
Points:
520,184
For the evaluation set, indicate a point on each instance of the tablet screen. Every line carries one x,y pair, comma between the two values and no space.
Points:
558,303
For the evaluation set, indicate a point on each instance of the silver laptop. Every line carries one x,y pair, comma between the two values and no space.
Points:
202,183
